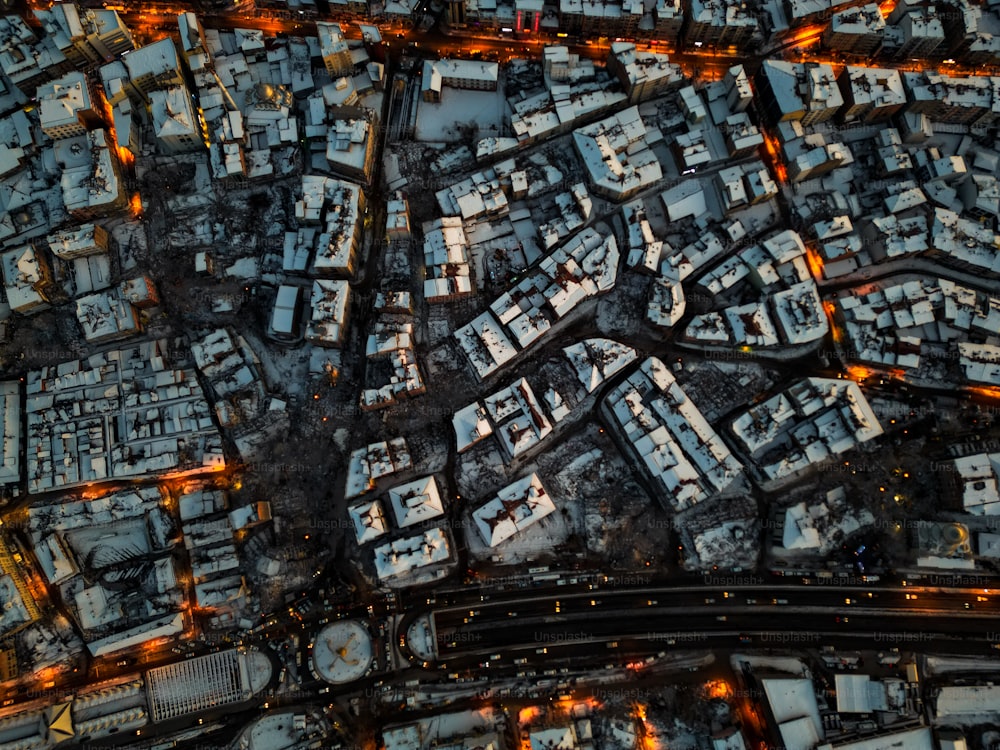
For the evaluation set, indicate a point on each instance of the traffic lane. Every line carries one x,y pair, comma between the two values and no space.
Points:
839,600
885,628
506,606
632,653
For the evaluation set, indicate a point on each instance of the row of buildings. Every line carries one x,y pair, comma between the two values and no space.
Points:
811,93
229,679
125,413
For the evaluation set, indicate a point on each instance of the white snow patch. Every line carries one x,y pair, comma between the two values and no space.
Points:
436,121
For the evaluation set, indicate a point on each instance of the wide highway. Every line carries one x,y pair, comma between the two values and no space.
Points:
532,626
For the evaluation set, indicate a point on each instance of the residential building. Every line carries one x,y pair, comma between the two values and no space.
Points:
192,34
92,183
448,274
742,136
479,194
870,94
106,317
369,521
513,414
337,206
718,23
373,462
802,12
610,18
643,75
922,34
984,50
816,161
739,93
408,555
515,508
140,292
968,100
961,21
668,18
285,325
856,31
397,217
798,91
175,124
66,106
677,448
415,502
458,74
86,35
812,421
617,154
334,50
86,239
330,306
10,450
186,440
980,194
26,60
350,148
26,273
155,66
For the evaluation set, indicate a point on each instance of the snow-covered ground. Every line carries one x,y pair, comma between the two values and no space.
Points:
285,370
670,735
131,240
604,502
480,472
444,120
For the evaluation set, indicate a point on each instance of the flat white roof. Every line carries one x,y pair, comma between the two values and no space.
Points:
206,682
